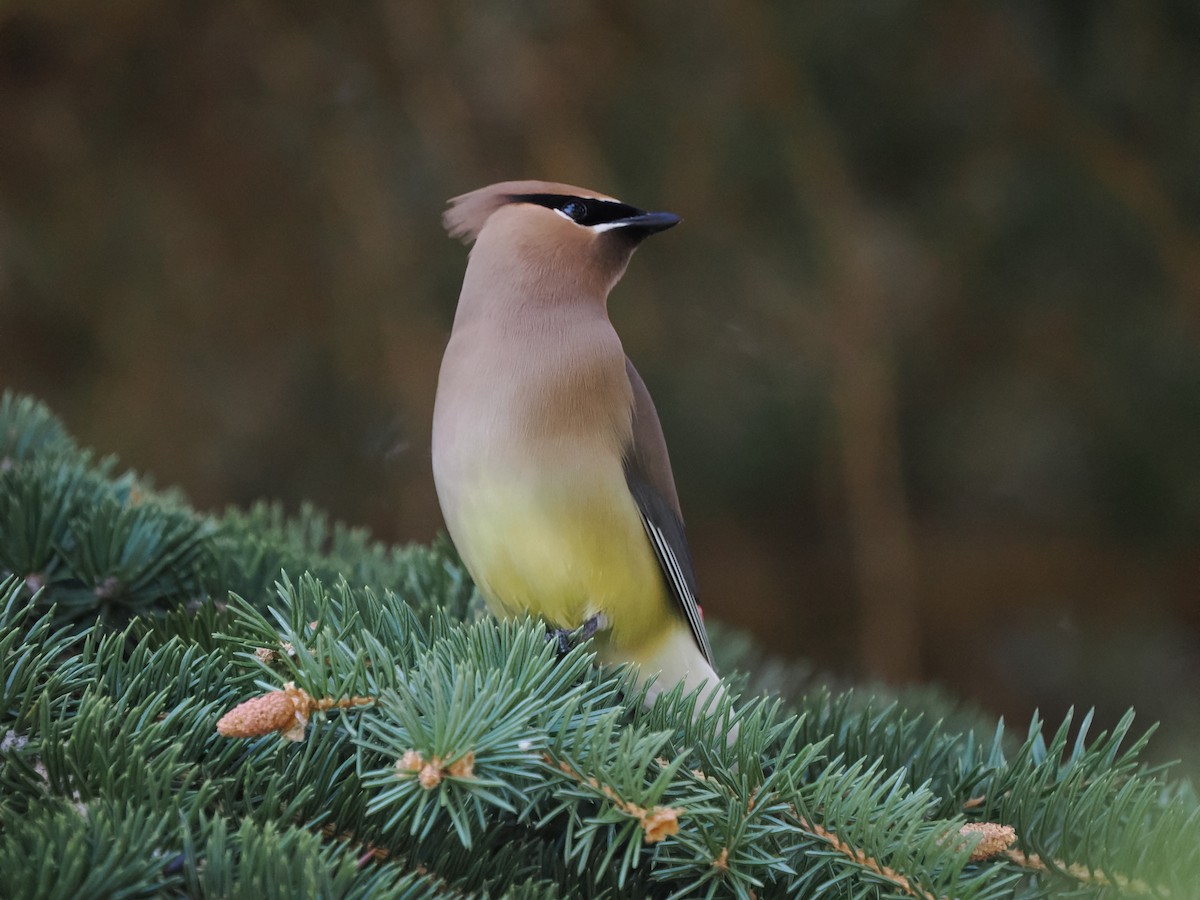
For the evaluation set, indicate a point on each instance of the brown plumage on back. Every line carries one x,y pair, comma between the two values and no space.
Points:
548,455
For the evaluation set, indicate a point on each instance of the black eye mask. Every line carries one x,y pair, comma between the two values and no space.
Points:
581,210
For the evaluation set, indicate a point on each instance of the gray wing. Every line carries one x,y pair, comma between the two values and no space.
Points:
648,475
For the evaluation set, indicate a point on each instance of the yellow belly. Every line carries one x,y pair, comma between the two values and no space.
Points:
565,553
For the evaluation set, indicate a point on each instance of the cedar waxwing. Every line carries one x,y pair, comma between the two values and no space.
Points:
548,456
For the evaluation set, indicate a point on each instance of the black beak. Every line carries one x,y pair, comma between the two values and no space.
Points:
645,224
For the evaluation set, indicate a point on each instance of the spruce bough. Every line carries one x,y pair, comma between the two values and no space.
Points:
381,737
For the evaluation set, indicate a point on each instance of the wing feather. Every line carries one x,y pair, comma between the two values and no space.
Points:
648,475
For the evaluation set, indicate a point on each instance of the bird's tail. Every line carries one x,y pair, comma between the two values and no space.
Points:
675,660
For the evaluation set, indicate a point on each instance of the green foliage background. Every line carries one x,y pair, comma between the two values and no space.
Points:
121,645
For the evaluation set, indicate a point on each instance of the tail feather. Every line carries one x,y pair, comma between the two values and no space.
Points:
679,660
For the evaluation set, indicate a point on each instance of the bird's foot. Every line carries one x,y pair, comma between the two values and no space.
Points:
565,639
562,641
598,622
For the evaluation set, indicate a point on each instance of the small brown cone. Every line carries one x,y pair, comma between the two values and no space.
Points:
659,823
285,711
996,839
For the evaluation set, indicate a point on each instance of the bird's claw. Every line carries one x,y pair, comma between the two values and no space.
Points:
562,640
565,638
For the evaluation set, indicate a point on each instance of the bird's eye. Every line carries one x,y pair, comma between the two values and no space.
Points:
575,210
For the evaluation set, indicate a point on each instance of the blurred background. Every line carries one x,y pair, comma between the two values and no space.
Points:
926,349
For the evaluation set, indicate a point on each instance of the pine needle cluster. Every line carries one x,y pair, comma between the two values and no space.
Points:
257,705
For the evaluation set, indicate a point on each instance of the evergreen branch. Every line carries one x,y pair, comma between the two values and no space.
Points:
135,556
38,501
28,429
1085,876
860,858
474,762
480,692
658,823
101,849
611,802
36,667
745,845
291,862
1092,804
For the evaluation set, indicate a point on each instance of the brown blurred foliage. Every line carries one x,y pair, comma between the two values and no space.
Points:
925,349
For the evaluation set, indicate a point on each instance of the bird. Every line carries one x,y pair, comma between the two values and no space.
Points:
549,459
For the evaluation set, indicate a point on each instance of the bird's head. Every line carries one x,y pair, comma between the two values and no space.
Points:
556,230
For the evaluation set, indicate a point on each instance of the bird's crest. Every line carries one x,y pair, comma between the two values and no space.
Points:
467,213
